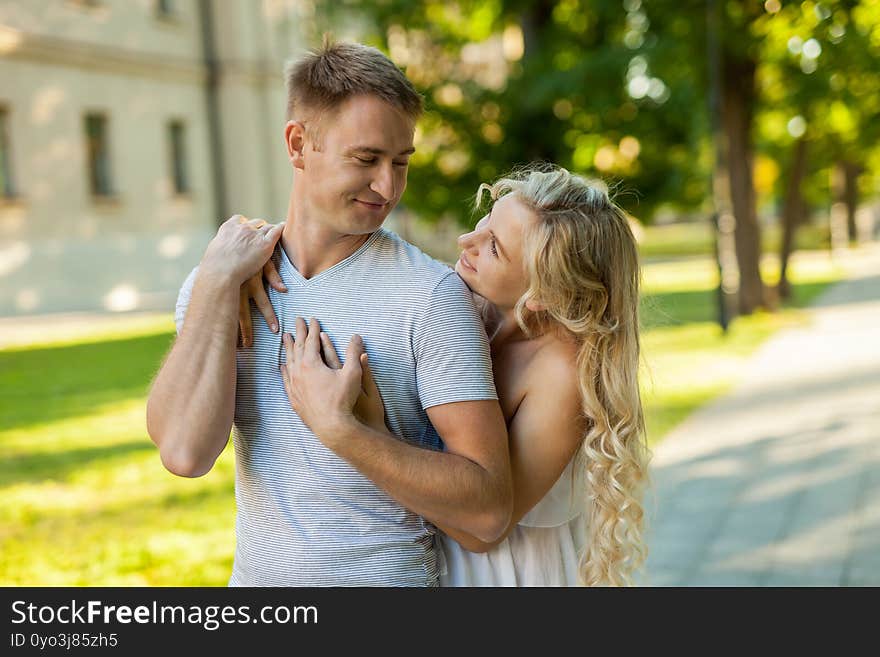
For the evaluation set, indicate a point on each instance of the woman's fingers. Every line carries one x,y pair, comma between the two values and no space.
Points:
371,408
368,383
258,293
353,353
329,352
302,330
290,347
244,318
313,340
313,344
273,277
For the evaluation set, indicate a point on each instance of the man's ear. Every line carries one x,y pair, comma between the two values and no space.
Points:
535,306
295,137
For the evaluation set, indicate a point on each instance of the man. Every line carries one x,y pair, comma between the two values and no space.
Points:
306,516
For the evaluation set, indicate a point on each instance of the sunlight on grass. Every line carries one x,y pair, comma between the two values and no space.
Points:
69,329
84,499
688,361
696,239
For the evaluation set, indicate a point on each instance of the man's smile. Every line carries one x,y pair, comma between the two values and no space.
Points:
372,206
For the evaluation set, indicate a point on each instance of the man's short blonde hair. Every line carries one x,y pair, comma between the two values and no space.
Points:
322,80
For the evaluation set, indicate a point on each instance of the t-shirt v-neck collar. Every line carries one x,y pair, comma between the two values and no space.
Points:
288,267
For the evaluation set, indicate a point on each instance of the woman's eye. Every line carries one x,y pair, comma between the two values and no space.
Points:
492,247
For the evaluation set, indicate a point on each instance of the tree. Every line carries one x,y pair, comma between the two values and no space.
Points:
508,82
820,95
618,88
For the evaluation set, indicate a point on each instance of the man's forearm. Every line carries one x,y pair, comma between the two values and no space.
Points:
447,489
192,402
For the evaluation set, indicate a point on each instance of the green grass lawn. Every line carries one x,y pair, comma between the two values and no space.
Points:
84,499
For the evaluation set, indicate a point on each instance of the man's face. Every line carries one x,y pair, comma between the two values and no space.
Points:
358,173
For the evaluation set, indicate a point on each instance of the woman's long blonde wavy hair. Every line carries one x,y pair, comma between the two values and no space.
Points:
582,266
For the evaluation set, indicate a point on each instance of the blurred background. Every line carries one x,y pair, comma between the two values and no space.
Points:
741,137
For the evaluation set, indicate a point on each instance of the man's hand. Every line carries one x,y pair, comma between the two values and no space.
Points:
466,487
239,250
329,397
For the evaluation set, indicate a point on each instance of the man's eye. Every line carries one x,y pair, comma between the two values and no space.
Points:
401,164
366,160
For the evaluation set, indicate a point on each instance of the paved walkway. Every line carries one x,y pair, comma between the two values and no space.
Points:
778,483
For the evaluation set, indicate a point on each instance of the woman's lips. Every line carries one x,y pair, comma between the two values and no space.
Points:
466,264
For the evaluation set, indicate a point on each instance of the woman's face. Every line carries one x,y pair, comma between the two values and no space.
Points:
491,261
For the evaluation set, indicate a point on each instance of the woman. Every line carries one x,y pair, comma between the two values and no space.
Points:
554,266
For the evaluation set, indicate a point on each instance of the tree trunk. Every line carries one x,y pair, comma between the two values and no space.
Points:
792,213
535,21
851,173
844,192
537,16
722,218
737,111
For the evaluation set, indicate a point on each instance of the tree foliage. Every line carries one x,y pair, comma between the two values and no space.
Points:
618,89
509,82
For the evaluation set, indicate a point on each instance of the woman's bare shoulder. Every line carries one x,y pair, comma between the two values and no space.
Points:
553,373
551,410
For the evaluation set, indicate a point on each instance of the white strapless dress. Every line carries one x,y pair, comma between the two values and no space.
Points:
542,550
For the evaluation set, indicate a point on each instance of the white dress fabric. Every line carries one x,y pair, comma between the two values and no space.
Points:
542,550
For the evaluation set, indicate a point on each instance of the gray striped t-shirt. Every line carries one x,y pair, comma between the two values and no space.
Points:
306,517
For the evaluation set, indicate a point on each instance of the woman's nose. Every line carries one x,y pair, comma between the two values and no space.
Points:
467,242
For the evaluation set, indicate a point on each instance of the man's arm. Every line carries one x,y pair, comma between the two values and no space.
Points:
545,433
467,487
192,401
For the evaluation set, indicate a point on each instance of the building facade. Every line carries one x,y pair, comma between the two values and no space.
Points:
128,130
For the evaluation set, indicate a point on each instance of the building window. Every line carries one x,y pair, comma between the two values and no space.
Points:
165,8
177,148
7,188
98,150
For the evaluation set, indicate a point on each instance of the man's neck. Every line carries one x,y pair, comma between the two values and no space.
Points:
505,329
312,248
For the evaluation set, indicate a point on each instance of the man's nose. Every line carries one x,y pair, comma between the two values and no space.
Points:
383,182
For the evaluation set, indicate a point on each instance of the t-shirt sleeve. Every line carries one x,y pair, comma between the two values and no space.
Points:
451,348
183,299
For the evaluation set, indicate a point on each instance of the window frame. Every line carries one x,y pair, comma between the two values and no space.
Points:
175,129
99,164
8,189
